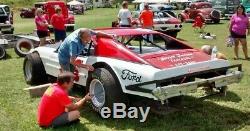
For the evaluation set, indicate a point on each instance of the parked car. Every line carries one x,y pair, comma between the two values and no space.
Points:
27,12
49,9
163,70
6,20
163,22
203,9
30,12
226,7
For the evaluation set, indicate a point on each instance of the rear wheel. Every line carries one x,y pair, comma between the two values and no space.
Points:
34,72
23,47
216,21
2,52
105,90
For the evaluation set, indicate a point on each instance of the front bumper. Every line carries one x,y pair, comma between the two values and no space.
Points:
163,93
6,27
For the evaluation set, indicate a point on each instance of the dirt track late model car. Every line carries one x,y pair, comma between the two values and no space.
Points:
160,70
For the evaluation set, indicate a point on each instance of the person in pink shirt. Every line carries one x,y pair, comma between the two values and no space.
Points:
238,28
41,26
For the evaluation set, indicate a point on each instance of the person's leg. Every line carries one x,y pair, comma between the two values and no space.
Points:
243,42
42,41
66,118
65,67
64,35
236,48
57,35
73,115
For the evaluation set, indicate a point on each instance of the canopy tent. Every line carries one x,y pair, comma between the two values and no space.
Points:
151,1
74,2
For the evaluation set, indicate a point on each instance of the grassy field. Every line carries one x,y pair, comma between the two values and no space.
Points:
18,110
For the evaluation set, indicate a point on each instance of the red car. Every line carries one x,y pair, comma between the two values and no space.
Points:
203,9
30,12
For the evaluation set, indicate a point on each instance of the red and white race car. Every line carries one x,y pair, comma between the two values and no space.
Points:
162,69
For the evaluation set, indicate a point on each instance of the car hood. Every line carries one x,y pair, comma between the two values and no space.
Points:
175,58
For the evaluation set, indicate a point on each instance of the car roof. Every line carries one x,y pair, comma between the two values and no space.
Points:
127,31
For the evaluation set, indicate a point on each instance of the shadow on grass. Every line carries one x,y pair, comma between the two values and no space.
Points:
231,96
197,115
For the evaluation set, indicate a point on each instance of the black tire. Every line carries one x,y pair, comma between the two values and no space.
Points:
33,69
70,28
173,34
112,88
216,21
23,44
2,52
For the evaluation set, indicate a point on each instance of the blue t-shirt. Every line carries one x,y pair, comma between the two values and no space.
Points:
72,46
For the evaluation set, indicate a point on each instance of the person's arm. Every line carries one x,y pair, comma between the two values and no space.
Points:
73,56
129,17
80,103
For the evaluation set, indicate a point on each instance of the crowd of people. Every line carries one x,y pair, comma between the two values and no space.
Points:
56,107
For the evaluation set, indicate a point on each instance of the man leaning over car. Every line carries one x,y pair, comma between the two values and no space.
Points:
73,45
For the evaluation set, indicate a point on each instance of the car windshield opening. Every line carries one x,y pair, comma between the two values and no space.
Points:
149,43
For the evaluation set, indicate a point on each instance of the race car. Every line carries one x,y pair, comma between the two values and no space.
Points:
159,69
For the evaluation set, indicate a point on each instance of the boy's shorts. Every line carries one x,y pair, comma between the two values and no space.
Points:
61,120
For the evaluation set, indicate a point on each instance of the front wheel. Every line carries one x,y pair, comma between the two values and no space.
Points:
2,52
105,90
33,69
216,21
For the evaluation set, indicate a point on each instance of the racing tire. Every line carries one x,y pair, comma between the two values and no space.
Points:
33,69
23,47
2,52
105,90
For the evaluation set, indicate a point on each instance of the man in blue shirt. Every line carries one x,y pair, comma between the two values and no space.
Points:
73,45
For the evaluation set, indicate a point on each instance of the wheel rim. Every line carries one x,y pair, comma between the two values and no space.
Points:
28,70
24,47
97,92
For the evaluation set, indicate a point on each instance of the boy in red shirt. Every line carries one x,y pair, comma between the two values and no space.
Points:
58,23
55,108
147,20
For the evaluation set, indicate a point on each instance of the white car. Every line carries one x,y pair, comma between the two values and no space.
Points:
161,70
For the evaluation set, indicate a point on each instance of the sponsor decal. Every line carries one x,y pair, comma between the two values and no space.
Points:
120,111
179,59
131,76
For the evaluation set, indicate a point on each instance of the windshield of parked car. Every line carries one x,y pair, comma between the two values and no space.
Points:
1,11
143,44
7,9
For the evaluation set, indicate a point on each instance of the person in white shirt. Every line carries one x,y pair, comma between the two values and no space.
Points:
124,15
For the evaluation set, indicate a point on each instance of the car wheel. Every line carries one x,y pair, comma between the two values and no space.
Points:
70,28
105,90
2,52
34,72
216,21
23,47
173,34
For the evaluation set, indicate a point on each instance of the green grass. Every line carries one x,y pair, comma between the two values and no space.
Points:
18,110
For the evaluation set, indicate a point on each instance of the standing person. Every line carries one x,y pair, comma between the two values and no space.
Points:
56,107
41,26
238,28
146,19
73,46
124,15
58,23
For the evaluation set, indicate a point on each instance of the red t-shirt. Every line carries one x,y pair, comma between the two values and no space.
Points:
39,20
58,22
147,17
52,104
